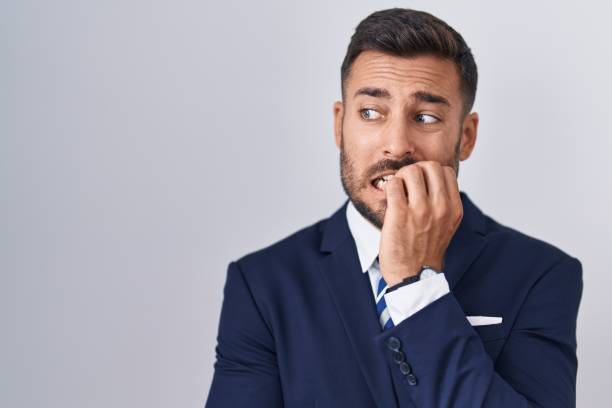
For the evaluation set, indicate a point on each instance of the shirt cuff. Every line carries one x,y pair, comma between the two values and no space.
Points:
406,300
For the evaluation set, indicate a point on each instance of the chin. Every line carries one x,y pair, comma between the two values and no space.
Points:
373,209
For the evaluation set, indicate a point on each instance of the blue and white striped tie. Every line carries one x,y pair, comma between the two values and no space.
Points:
381,306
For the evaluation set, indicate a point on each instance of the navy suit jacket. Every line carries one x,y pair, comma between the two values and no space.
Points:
298,326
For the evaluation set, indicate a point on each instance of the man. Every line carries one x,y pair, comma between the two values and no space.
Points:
408,295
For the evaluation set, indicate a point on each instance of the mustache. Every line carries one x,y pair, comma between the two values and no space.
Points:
392,165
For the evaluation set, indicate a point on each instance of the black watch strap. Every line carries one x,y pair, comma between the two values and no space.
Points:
406,281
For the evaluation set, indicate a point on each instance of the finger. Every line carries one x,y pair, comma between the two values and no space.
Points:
395,193
452,185
415,185
436,181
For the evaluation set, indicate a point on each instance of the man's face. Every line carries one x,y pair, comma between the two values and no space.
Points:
398,111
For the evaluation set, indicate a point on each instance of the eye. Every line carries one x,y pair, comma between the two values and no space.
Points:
368,116
426,119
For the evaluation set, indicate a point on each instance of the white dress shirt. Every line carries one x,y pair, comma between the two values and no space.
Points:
406,300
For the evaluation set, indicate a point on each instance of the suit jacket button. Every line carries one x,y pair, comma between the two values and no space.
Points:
411,379
393,343
398,356
405,368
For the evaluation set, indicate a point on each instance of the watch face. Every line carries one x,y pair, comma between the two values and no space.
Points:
426,273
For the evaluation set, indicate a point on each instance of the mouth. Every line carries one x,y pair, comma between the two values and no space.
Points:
379,181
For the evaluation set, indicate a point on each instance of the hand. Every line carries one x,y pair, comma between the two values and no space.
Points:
423,212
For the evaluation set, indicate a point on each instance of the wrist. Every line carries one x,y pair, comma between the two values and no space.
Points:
394,275
398,278
424,272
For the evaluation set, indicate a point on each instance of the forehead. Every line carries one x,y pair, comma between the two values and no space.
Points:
403,76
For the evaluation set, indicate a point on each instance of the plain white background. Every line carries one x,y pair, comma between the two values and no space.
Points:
146,144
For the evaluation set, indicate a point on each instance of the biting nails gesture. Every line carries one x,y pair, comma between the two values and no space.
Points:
423,212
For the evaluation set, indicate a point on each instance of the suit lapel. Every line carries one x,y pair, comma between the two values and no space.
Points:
353,298
352,293
467,243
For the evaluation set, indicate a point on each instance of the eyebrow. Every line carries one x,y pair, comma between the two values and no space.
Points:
422,96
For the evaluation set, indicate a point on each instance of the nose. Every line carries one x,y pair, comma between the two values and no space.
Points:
397,140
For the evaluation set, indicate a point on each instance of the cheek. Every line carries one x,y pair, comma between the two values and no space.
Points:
363,159
439,147
364,142
361,145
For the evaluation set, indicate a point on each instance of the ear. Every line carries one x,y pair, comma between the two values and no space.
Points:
338,117
468,135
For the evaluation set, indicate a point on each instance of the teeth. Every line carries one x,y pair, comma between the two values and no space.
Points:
380,183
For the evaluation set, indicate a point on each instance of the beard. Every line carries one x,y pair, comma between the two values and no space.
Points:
352,184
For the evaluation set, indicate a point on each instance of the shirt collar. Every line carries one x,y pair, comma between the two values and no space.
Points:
365,234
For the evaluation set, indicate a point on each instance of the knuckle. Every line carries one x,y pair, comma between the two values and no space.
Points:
411,167
422,165
413,170
459,214
401,172
420,211
431,164
442,211
406,171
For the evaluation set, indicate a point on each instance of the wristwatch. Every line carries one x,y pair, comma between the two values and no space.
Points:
425,272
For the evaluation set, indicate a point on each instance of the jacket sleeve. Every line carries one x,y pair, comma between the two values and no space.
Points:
246,370
535,368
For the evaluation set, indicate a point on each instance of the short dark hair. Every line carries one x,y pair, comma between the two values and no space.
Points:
409,33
